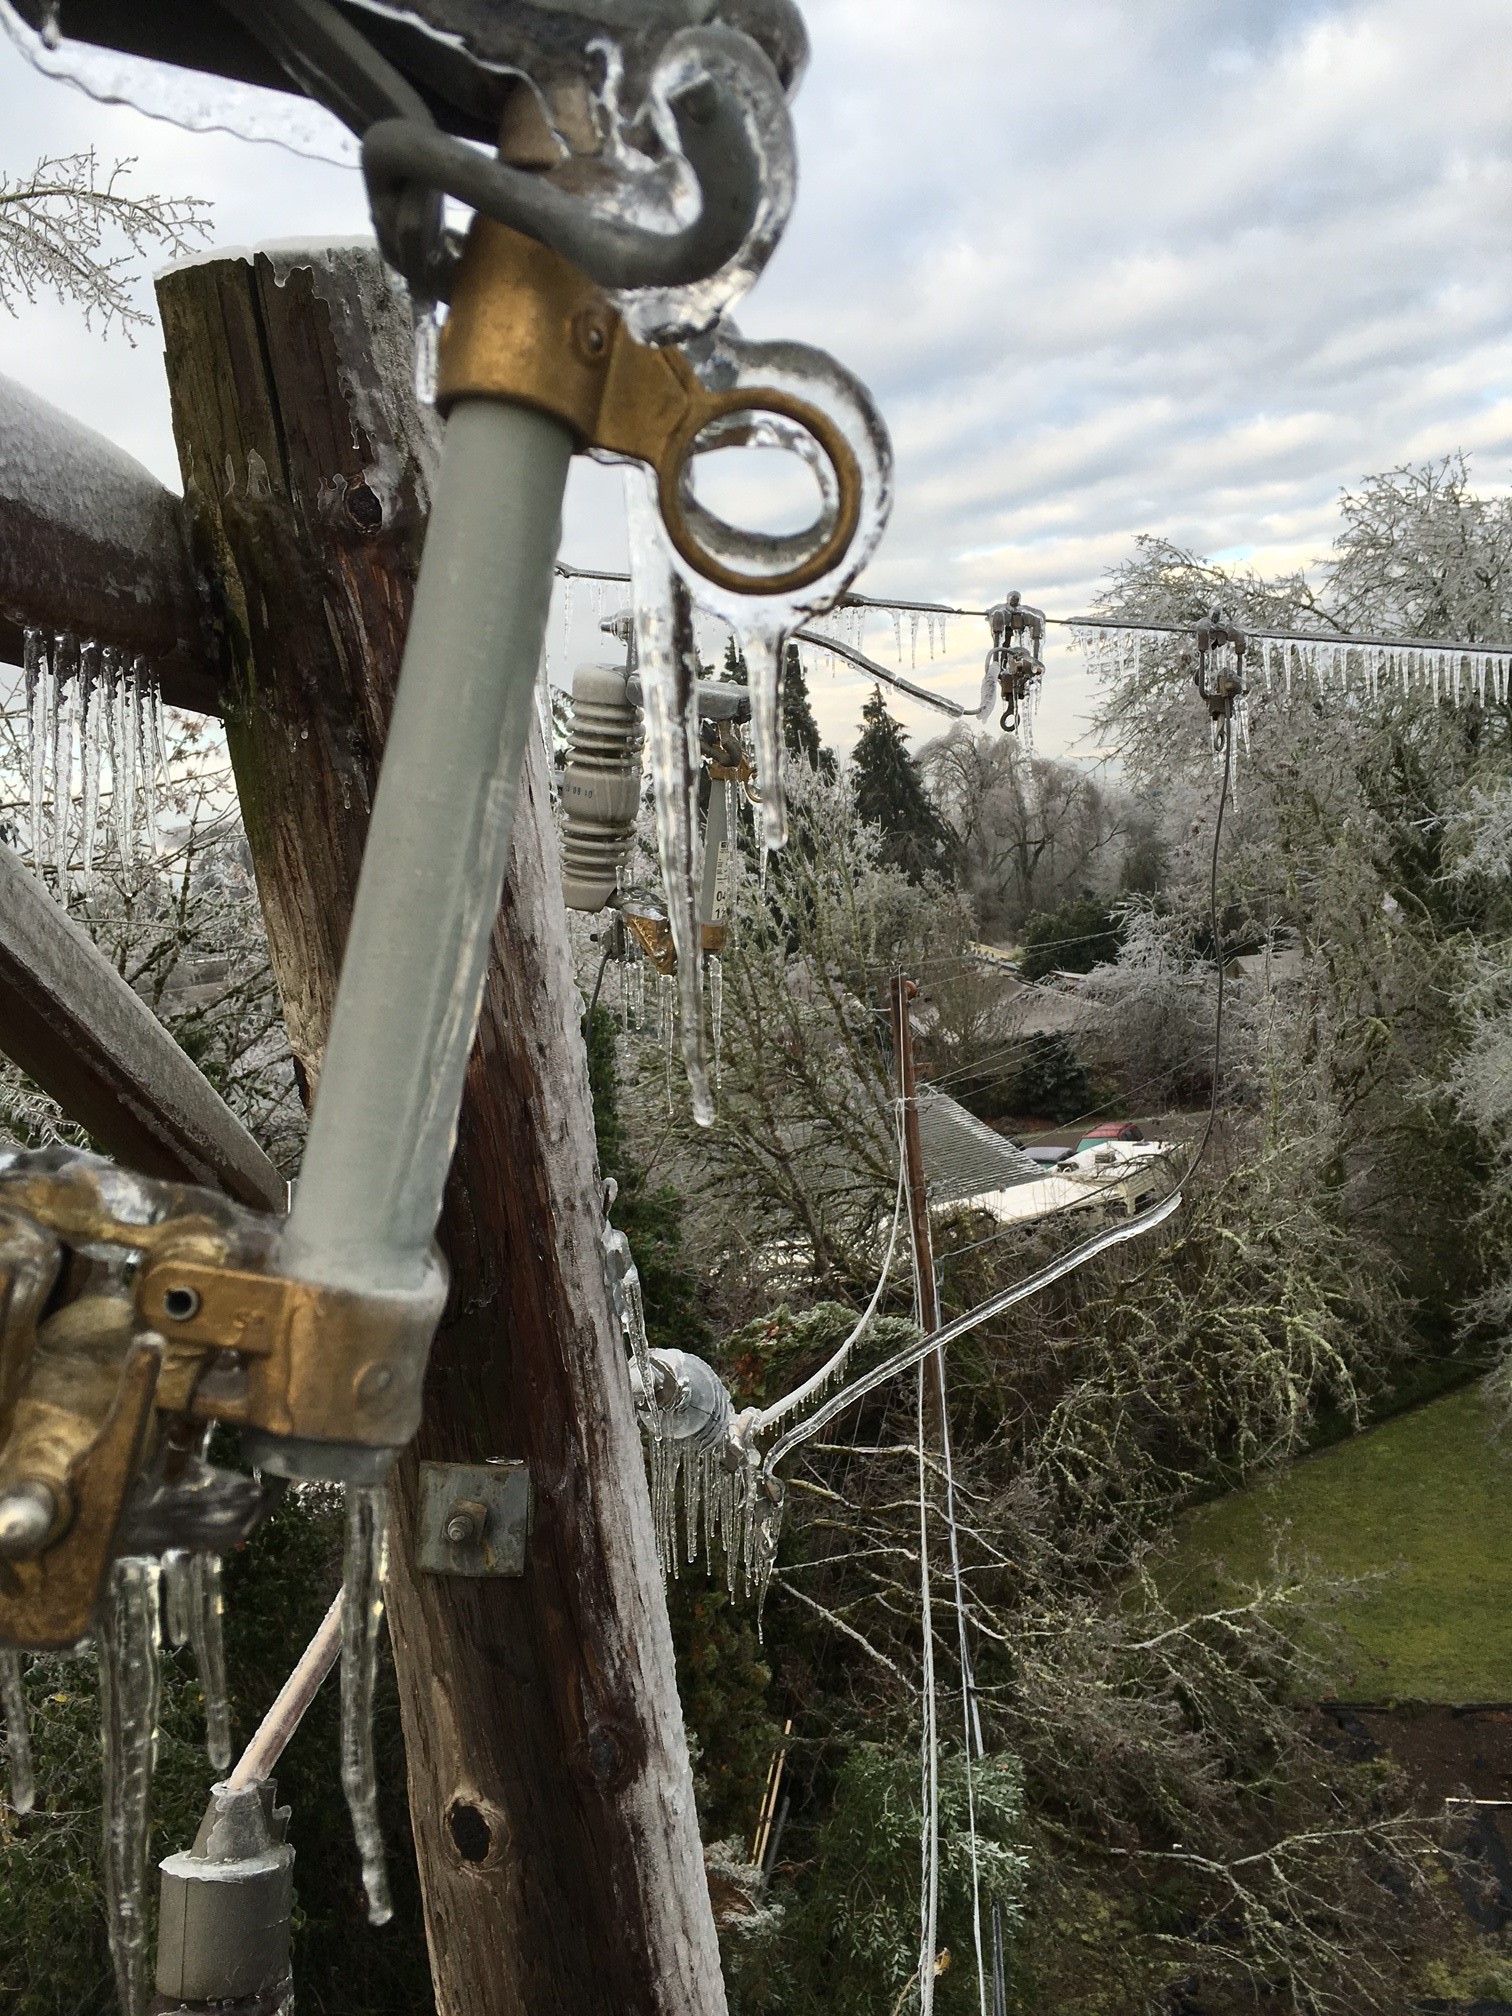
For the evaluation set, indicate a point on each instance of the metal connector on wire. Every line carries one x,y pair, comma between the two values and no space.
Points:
1219,671
1016,658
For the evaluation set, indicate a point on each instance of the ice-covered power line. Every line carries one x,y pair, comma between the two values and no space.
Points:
1102,620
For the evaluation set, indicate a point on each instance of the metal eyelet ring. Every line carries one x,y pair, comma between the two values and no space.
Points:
674,469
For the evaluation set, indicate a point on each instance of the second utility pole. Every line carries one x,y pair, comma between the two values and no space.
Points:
903,992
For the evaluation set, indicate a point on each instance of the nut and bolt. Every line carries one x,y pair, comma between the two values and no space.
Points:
465,1522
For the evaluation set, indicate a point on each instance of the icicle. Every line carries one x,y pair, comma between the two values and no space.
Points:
129,1684
544,723
141,686
193,1616
568,588
361,1622
913,638
427,355
39,694
764,655
897,623
716,1014
23,1786
669,673
90,697
66,684
124,751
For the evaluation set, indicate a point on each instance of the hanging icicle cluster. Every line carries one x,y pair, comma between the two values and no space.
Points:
703,1464
95,752
1284,665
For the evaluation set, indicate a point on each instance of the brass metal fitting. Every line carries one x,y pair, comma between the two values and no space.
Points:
178,1314
527,326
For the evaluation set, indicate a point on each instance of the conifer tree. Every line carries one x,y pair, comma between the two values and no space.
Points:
890,794
800,731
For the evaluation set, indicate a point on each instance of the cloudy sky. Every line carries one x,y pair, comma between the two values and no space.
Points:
1109,266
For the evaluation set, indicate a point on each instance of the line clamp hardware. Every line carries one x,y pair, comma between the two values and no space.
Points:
1016,659
528,326
133,1314
1220,678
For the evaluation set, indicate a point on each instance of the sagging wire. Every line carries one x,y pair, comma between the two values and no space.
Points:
1101,621
821,1380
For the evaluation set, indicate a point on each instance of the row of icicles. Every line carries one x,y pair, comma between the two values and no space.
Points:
177,1598
1284,665
95,756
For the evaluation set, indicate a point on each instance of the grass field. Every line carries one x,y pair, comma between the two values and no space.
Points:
1427,1497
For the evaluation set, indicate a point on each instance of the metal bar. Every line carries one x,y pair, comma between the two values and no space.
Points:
92,544
385,1119
276,1730
715,838
74,1025
859,659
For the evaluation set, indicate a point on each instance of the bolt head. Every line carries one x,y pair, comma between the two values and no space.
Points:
590,333
373,1383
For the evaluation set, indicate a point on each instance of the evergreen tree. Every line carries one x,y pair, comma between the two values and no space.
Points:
890,794
800,731
735,666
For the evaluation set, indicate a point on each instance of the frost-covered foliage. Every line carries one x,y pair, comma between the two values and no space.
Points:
842,1945
800,1163
1030,830
1483,1075
183,927
1423,555
59,222
1158,998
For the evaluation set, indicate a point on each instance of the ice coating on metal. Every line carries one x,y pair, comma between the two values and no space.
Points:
18,1750
663,196
361,1624
763,621
668,663
185,98
129,1642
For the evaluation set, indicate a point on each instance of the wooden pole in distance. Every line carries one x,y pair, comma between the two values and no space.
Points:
903,992
549,1780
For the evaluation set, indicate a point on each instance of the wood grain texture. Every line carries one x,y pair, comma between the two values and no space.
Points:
549,1778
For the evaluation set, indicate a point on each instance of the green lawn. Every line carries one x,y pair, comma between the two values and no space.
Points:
1428,1495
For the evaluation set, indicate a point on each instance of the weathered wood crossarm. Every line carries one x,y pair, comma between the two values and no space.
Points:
92,544
71,1022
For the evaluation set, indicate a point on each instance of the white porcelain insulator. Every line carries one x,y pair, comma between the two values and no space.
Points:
600,786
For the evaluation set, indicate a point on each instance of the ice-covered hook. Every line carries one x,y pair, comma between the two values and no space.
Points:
1219,677
1015,663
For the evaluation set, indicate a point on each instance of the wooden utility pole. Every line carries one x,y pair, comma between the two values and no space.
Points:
903,992
548,1772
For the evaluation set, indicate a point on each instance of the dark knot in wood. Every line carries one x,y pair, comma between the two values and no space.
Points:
363,506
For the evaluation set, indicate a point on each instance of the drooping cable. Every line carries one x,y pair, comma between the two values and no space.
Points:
836,1363
959,1326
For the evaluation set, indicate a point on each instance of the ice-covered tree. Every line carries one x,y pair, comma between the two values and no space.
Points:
76,230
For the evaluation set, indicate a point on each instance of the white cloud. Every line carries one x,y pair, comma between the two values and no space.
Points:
1188,267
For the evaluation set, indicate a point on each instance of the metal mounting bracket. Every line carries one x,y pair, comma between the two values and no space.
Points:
474,1518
